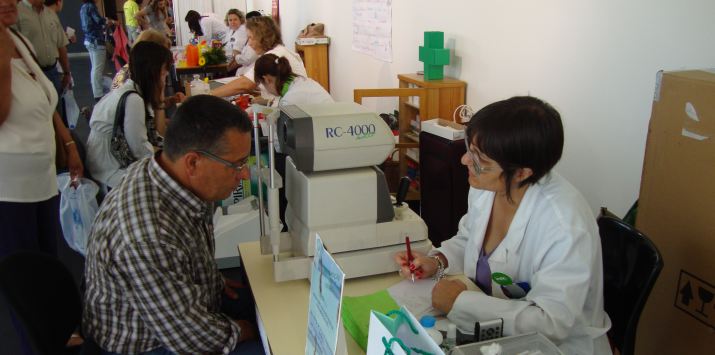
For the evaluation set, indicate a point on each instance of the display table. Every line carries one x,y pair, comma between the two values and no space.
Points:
283,307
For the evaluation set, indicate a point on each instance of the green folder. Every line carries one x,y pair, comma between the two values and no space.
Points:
356,313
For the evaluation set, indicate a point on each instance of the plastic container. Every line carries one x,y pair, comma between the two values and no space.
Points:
428,322
451,341
199,87
515,344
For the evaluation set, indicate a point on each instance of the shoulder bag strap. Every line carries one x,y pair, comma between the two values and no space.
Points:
119,114
26,45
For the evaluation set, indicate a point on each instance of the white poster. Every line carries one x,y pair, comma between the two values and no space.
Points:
372,28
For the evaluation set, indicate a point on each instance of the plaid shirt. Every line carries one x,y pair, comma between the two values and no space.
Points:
151,276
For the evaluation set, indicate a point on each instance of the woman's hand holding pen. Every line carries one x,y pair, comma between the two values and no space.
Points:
422,265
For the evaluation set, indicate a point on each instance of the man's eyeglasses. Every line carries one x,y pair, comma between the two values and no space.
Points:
478,169
237,167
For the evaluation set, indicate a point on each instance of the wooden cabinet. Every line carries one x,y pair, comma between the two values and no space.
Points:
315,59
419,100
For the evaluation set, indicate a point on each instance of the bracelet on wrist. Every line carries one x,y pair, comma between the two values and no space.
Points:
67,144
439,274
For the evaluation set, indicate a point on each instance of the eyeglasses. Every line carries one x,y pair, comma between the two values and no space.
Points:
237,167
478,169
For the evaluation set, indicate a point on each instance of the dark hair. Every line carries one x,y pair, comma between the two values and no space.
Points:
193,18
200,124
265,31
145,63
520,132
270,64
252,14
51,2
238,14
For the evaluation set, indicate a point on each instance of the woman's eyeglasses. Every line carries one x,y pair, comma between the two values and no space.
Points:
478,169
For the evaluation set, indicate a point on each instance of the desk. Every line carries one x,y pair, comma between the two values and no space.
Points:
283,306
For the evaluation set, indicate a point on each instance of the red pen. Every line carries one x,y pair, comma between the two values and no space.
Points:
409,257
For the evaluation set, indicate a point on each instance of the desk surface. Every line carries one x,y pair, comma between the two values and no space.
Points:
284,306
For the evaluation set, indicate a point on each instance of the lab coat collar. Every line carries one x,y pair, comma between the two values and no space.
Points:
517,229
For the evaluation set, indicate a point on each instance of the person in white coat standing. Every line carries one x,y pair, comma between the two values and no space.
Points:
529,240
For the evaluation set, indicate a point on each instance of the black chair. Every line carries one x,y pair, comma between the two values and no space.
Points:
39,290
631,265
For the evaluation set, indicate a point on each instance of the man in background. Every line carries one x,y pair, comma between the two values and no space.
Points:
42,27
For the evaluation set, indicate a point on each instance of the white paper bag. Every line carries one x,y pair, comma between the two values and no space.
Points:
78,206
398,333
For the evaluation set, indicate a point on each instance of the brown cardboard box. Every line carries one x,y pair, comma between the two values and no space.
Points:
677,211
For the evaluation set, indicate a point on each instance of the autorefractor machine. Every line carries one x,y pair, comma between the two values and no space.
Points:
334,189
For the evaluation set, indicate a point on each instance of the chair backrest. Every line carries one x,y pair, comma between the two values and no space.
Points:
631,265
41,293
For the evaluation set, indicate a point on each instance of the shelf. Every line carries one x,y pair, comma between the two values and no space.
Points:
412,135
414,154
411,105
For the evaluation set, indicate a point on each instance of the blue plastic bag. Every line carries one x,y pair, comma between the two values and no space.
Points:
78,206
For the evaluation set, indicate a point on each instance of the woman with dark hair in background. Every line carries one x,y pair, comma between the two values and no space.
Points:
93,25
275,74
264,37
206,27
529,239
149,65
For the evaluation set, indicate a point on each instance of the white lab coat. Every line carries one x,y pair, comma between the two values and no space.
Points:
554,245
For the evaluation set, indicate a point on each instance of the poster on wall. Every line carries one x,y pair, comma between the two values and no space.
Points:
372,28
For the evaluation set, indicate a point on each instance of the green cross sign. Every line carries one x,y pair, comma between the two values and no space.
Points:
434,55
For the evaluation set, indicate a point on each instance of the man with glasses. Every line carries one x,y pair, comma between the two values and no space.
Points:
153,286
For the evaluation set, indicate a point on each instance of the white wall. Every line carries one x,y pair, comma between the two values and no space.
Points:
595,61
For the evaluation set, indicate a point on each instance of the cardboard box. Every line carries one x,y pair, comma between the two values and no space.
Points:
677,211
311,41
443,128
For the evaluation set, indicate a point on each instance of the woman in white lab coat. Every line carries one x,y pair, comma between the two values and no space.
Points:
264,36
529,239
276,75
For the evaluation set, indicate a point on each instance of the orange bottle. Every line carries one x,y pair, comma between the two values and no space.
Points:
192,56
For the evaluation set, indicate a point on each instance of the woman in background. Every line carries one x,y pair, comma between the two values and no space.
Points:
264,37
206,27
149,65
154,16
123,75
29,203
93,25
239,53
275,74
529,239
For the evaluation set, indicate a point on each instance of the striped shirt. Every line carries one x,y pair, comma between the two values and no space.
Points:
151,276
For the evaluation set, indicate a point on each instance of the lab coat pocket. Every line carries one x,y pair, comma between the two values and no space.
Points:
503,286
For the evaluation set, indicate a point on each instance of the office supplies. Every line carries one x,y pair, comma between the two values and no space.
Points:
399,335
334,188
410,258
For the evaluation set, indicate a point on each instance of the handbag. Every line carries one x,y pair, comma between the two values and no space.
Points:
401,335
119,146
